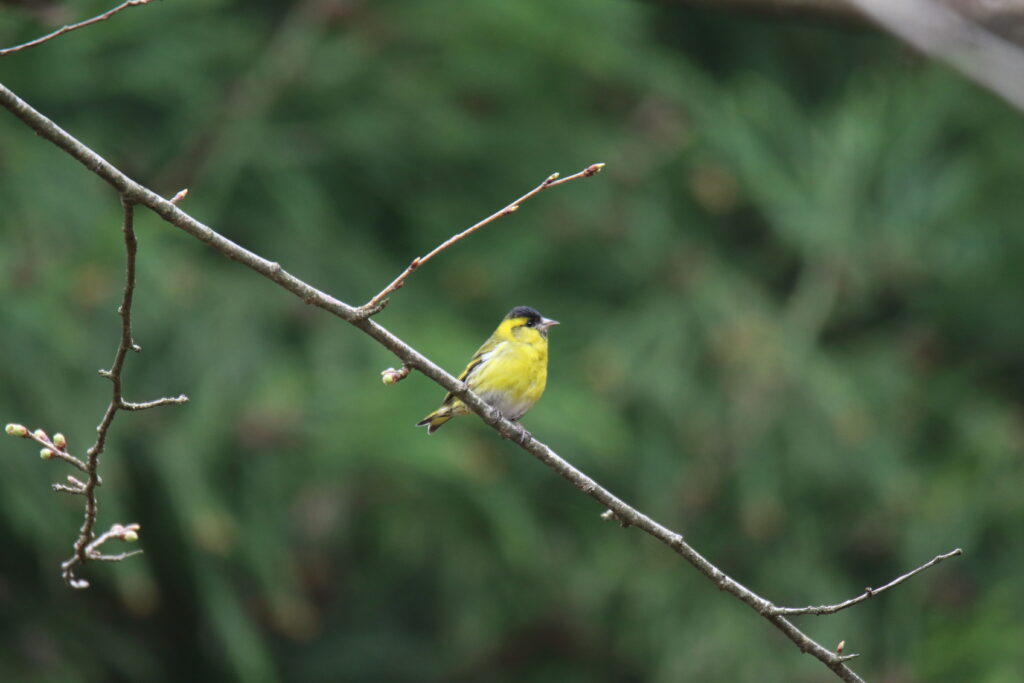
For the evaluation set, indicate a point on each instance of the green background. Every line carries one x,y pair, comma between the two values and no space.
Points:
791,330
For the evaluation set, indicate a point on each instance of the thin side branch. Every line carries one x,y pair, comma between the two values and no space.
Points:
624,513
374,305
146,405
868,592
55,450
71,27
86,546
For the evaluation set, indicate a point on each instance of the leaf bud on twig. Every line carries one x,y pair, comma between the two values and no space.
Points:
16,430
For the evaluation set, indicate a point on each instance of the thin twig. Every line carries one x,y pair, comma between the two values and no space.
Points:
71,27
868,592
373,305
41,438
146,405
621,511
85,545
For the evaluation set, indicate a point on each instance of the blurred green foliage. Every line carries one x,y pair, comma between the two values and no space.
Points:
791,330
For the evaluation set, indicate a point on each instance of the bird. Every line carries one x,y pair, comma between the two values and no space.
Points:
509,371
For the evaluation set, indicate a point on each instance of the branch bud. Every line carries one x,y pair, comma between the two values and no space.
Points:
46,454
16,430
840,646
39,434
130,535
390,376
60,441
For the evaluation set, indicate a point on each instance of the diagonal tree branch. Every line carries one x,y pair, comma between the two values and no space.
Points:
133,192
941,32
71,27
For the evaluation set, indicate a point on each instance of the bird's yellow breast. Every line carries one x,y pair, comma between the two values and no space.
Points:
512,376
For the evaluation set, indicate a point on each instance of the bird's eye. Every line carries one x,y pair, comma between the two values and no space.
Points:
531,323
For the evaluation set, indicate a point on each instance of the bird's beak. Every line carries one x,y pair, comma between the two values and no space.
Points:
545,323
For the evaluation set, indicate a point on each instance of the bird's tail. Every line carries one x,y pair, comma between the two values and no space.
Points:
434,421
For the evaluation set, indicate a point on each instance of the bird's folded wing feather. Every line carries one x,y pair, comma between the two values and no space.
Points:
481,355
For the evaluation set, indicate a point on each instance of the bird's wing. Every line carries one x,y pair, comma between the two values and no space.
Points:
481,355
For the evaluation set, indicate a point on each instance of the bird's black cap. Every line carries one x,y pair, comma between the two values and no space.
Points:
530,314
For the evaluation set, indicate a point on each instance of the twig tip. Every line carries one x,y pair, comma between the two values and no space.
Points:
16,430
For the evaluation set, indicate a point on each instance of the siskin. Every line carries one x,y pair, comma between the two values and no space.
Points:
509,371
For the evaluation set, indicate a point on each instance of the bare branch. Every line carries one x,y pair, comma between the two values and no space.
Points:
941,32
619,510
146,405
981,40
50,449
1002,17
85,546
71,27
868,592
376,303
838,9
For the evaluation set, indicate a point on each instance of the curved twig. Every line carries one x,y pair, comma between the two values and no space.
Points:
868,592
71,27
375,304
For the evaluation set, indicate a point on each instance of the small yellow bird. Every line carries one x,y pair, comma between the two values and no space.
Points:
509,371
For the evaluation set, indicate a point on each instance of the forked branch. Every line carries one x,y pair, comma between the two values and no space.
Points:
627,515
87,545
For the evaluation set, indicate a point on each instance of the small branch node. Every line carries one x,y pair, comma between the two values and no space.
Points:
609,515
179,196
371,309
